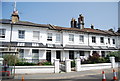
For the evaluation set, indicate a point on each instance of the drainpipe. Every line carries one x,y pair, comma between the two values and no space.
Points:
88,39
11,31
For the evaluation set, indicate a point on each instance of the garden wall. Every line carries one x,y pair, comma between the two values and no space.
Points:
34,69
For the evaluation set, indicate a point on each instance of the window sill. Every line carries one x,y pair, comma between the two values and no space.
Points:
70,42
2,38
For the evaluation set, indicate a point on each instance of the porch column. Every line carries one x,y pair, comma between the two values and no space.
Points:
53,56
100,53
91,53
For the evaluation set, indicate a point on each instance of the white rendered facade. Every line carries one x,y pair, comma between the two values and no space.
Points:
46,42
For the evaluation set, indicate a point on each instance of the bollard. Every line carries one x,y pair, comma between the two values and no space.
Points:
103,76
22,78
114,75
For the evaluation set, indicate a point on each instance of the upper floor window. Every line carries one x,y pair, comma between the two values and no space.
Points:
108,40
101,39
2,33
36,35
93,39
81,38
21,34
71,37
58,37
49,37
113,41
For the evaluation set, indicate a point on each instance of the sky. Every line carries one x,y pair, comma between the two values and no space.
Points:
104,15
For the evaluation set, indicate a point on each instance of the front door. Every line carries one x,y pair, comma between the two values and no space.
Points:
48,56
58,55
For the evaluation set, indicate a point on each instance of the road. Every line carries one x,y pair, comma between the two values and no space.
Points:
91,75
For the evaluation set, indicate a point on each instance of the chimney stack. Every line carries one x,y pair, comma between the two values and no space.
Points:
92,26
81,22
73,23
15,16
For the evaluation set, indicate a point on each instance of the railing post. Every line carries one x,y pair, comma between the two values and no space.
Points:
112,60
68,65
78,64
56,64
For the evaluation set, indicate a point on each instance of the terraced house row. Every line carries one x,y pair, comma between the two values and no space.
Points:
38,42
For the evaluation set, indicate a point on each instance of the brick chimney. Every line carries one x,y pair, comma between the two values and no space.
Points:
81,22
73,23
15,16
92,26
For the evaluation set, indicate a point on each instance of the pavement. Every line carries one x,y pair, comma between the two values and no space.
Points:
64,75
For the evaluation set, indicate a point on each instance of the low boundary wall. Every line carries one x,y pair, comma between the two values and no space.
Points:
34,69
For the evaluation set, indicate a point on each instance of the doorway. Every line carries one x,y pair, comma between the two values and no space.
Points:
58,55
48,56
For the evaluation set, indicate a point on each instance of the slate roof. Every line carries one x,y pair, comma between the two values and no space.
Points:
52,27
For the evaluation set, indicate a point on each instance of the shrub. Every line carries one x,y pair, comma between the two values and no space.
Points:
46,63
73,64
25,64
114,54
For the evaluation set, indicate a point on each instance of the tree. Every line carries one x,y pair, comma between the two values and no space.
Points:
115,54
11,59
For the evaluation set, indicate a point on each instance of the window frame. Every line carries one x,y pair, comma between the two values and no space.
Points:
22,35
101,39
71,37
113,41
57,37
49,36
93,39
2,33
36,36
81,38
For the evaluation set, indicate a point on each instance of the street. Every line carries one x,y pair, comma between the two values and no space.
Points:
90,75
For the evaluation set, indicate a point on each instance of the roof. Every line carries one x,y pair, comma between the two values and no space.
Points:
86,30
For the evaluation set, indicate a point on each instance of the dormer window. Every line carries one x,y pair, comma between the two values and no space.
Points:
2,33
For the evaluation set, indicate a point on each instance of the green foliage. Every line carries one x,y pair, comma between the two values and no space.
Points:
25,64
95,58
11,59
115,54
73,64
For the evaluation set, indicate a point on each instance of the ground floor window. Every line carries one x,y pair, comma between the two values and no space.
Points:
21,53
81,53
103,53
71,54
35,55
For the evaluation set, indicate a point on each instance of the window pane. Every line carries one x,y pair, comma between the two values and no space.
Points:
71,37
49,38
36,35
21,34
81,38
101,39
2,33
57,37
93,39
